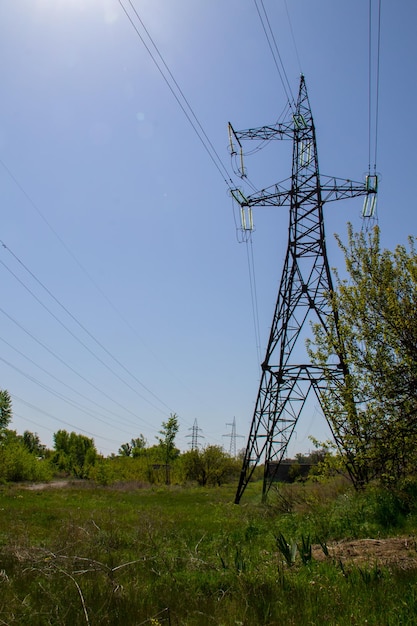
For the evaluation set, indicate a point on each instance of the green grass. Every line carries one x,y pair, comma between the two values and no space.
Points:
188,556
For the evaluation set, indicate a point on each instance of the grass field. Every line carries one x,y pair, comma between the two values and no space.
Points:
132,555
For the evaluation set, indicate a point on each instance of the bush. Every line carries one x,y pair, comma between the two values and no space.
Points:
18,464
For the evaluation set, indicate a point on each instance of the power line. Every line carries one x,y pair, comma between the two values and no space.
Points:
270,37
293,37
178,94
63,362
36,408
74,336
31,421
373,110
254,296
377,84
78,405
83,269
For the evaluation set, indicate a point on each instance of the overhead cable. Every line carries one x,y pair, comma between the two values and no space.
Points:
74,336
373,84
63,362
270,37
36,408
76,392
177,93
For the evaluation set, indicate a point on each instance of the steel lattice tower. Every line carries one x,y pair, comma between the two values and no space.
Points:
305,281
194,435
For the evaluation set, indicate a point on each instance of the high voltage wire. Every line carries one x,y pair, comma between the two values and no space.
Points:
69,251
31,421
373,116
63,362
293,37
36,408
197,127
86,273
254,296
273,46
58,395
83,328
75,391
74,336
270,37
74,258
190,115
177,92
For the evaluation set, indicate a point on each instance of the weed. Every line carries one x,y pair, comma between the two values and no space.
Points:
323,546
116,554
288,551
305,549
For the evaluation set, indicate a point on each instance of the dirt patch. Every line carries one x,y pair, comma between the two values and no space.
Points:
52,485
399,552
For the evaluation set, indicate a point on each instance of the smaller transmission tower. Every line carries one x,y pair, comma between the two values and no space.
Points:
194,435
233,436
302,296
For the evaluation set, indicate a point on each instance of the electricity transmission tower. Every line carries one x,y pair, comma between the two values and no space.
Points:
194,435
233,436
305,281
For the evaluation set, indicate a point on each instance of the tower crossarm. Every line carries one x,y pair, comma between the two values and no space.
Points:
331,189
265,133
279,197
338,189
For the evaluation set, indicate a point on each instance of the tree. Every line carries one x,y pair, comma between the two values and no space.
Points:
210,466
373,415
74,453
166,442
18,463
133,448
5,409
125,449
33,444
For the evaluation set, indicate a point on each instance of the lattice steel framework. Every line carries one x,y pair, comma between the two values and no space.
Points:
305,281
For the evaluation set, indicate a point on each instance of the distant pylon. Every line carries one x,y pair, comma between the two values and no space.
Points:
194,435
233,436
303,292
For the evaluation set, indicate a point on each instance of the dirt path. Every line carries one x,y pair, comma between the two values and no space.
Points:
53,484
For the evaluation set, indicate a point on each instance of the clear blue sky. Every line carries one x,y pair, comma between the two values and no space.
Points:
110,201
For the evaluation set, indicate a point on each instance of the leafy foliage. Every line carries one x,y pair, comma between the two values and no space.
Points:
166,442
5,409
210,466
374,415
32,442
74,454
17,463
133,448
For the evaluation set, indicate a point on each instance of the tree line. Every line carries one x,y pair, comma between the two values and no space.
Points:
25,458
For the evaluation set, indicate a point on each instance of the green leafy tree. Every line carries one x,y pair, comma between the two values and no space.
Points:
210,466
17,463
125,449
5,410
33,444
74,453
374,414
133,448
166,442
138,445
